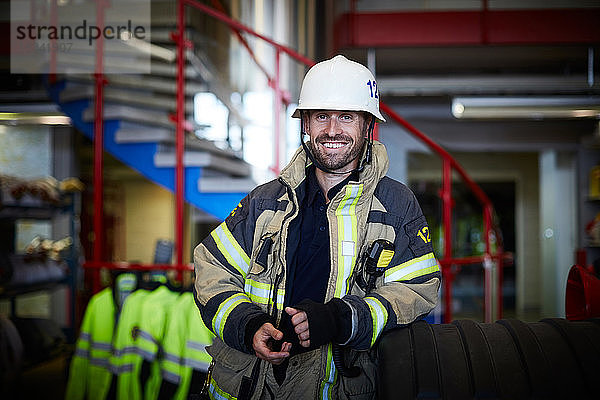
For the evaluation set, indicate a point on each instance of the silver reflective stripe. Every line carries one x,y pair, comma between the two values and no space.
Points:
224,309
145,335
261,292
101,346
330,376
196,345
347,233
85,336
100,362
379,315
420,266
231,249
172,358
215,392
125,350
82,353
121,369
197,365
146,354
354,323
171,377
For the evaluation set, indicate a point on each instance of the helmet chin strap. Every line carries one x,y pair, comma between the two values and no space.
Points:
361,165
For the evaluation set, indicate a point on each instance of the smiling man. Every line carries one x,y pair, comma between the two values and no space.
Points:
282,281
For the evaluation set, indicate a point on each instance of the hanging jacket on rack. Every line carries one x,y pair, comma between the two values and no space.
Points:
185,360
150,340
125,356
90,373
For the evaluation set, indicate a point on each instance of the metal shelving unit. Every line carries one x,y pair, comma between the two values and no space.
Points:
12,210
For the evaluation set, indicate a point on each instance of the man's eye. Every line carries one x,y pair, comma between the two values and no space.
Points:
346,117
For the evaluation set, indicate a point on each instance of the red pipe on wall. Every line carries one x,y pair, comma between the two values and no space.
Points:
99,147
277,109
447,223
179,134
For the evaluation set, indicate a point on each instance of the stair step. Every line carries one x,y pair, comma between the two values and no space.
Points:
137,133
133,114
158,85
74,92
72,64
204,159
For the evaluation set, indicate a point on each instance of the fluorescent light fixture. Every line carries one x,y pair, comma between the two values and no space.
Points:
526,107
32,118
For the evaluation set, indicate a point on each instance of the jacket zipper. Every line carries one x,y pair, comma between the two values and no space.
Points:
281,274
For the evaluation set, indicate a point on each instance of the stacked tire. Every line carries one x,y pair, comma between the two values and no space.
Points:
508,359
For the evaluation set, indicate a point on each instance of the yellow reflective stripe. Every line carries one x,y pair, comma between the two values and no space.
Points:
347,233
325,391
379,315
260,292
215,392
231,249
416,267
218,322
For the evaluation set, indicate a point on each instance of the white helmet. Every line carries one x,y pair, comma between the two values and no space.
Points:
339,84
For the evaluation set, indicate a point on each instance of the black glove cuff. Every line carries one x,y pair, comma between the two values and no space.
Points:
329,322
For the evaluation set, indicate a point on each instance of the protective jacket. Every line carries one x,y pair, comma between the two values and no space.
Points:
184,346
240,275
90,374
151,337
125,360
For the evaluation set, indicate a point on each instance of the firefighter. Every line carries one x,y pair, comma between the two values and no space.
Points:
277,280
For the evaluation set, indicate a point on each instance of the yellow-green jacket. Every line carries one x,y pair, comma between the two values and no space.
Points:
240,274
90,373
184,348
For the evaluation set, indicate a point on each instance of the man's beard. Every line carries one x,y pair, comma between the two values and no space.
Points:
337,160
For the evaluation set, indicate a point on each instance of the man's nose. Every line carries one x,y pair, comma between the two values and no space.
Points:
333,126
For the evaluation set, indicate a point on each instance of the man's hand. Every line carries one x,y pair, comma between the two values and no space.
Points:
261,344
300,322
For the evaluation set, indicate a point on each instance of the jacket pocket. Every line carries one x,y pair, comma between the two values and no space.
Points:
230,368
363,386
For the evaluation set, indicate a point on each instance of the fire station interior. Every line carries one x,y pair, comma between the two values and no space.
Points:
508,90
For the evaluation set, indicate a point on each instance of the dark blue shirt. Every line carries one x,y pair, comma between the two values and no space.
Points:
308,259
309,266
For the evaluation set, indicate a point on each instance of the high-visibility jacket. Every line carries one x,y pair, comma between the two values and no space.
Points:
241,275
184,347
125,356
90,374
151,336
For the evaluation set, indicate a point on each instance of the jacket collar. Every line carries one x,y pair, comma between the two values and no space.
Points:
294,173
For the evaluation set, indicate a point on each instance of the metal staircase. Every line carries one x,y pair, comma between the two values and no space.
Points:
139,127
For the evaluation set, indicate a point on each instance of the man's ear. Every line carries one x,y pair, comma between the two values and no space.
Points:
305,115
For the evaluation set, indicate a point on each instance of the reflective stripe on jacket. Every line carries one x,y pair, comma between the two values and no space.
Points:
240,268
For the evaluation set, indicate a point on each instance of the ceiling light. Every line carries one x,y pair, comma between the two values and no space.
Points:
536,108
